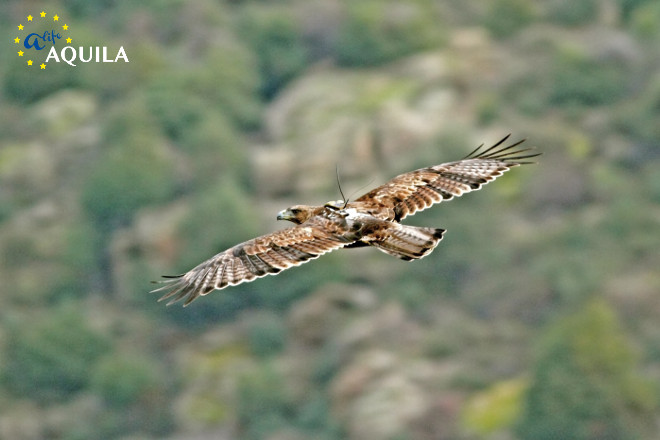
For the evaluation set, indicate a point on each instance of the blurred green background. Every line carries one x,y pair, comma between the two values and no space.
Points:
536,318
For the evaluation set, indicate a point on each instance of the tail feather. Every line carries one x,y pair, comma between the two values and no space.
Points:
409,242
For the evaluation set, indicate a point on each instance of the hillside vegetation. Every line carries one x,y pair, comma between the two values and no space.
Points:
536,318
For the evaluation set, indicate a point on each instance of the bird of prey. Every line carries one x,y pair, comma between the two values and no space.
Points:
371,220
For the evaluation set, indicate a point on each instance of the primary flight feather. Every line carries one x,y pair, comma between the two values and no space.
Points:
371,220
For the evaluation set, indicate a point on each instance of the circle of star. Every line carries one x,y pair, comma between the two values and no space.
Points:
43,15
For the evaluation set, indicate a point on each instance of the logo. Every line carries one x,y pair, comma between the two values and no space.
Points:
42,40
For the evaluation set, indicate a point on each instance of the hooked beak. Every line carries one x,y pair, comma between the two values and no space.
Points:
284,215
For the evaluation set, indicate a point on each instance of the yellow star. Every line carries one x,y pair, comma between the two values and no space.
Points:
29,62
20,53
17,40
43,14
20,27
68,40
43,66
56,18
29,17
65,27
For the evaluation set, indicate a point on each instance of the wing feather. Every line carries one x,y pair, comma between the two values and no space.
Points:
420,189
265,255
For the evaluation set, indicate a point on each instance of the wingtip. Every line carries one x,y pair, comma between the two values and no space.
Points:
168,279
508,154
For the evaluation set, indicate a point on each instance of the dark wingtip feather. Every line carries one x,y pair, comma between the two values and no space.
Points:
473,152
173,287
168,279
508,154
476,153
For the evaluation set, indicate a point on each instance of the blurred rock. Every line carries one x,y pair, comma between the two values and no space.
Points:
28,171
217,434
62,420
354,378
315,318
473,50
377,397
287,434
275,167
441,418
388,325
64,111
23,421
388,409
610,44
357,121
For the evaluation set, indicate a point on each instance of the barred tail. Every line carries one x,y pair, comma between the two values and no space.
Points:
410,242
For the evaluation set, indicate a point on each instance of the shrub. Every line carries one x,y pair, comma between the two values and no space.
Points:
179,99
628,7
53,358
25,86
580,79
230,79
638,117
494,409
74,262
215,148
267,336
584,384
375,32
572,12
88,8
276,39
131,173
174,106
314,417
263,406
123,380
645,21
506,17
488,109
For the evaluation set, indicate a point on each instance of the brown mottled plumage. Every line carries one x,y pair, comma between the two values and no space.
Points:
371,220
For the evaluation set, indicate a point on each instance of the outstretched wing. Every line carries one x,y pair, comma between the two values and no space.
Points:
420,189
265,255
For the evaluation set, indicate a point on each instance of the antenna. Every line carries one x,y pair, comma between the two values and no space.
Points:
343,197
339,185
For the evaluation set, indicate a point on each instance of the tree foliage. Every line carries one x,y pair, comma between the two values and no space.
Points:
54,358
375,32
278,44
507,17
585,385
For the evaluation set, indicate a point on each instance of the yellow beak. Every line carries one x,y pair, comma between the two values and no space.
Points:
285,215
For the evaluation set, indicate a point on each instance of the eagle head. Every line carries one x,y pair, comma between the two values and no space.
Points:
297,214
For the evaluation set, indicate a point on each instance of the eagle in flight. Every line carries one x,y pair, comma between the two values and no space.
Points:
371,220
